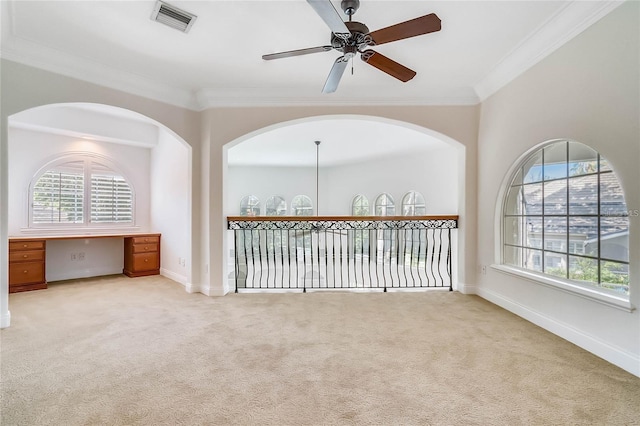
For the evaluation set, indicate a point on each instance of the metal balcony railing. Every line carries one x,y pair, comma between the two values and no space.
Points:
348,252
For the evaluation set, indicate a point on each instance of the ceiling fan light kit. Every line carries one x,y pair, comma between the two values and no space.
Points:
351,38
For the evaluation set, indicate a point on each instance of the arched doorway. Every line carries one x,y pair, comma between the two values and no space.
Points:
357,154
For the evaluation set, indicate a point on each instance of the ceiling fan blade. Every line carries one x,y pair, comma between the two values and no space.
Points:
298,52
335,75
387,65
415,27
331,17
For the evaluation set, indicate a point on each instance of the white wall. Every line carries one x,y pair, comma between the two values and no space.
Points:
170,205
93,257
433,173
31,150
588,91
263,182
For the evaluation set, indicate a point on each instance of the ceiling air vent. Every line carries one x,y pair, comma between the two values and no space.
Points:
173,17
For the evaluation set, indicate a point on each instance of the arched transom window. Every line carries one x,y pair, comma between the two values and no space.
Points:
384,205
80,191
276,206
250,206
301,206
413,204
564,215
360,206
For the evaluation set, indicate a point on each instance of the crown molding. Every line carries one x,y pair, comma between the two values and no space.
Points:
103,75
565,24
212,98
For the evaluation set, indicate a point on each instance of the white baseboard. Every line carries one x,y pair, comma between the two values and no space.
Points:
192,288
5,320
207,290
466,288
173,276
623,359
83,273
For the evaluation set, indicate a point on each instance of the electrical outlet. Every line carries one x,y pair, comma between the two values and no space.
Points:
184,262
81,256
74,257
483,268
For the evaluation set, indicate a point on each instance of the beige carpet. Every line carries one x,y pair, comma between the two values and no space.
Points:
118,351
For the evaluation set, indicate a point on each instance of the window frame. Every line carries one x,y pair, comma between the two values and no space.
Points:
268,205
413,205
294,208
385,207
585,290
358,202
252,204
88,160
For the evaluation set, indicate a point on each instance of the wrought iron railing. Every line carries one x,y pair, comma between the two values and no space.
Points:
333,252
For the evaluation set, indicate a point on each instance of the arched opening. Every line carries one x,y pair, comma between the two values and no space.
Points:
156,161
358,155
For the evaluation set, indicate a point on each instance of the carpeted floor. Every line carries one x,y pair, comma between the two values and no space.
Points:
118,351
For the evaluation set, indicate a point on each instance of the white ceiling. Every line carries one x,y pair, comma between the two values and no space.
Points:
482,46
342,141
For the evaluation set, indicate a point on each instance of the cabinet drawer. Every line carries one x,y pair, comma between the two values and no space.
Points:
26,245
144,248
25,273
145,240
145,261
26,256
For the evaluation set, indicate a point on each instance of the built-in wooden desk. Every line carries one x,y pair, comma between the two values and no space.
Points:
27,257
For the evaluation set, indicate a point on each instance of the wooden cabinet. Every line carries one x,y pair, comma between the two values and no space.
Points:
26,265
27,258
142,255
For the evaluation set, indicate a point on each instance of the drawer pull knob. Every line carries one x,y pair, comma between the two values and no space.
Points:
146,248
25,272
25,245
146,260
25,255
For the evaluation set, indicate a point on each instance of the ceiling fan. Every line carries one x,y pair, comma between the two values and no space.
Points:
354,37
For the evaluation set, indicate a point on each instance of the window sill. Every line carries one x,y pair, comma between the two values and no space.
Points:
603,298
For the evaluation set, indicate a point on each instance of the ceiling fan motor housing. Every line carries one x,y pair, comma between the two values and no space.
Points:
358,37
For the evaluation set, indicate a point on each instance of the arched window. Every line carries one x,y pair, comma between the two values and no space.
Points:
276,206
360,206
81,190
301,206
384,205
250,206
413,204
564,215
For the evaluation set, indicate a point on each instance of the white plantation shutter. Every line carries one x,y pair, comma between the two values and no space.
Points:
81,192
58,195
111,196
